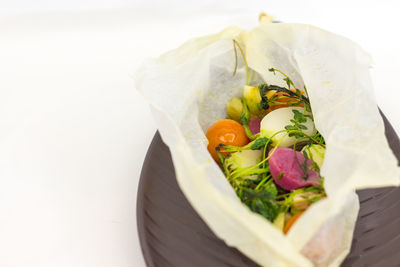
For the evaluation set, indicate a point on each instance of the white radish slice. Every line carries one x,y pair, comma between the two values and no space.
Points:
276,121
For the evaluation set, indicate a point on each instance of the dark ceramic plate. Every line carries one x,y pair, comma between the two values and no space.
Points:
172,234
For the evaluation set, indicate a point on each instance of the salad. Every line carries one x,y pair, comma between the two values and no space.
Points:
270,151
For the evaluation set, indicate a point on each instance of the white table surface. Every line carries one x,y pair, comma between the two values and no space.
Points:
74,132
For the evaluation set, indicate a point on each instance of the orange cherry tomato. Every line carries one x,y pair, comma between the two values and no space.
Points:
291,221
285,101
227,132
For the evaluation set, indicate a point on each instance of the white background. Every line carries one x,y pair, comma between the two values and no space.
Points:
74,132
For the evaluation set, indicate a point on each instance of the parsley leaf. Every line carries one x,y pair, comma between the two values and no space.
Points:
265,208
259,143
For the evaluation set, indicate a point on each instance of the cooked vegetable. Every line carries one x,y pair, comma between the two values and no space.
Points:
234,108
245,119
316,153
271,179
280,100
291,170
291,221
243,159
303,200
254,125
253,99
227,132
277,123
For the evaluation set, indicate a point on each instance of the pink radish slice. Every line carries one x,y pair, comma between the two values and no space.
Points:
287,172
254,125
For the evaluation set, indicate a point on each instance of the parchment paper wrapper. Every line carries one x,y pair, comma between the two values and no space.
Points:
188,89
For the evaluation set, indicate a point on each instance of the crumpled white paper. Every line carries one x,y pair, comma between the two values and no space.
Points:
188,89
